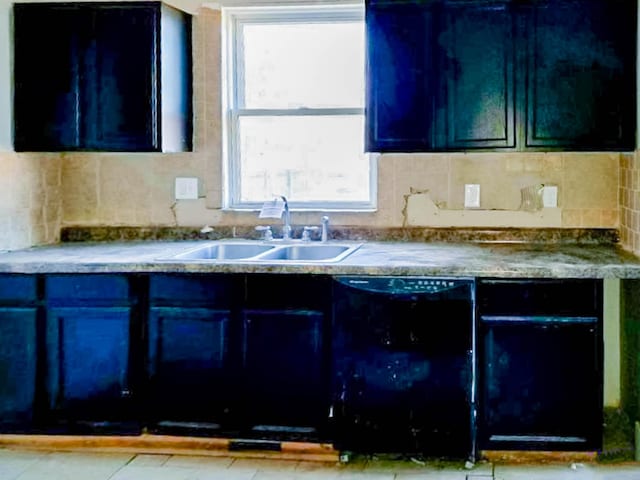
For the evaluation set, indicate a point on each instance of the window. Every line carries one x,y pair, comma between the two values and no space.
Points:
294,121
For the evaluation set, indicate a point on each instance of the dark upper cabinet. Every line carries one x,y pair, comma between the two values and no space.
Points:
399,101
581,74
459,75
477,68
110,76
47,45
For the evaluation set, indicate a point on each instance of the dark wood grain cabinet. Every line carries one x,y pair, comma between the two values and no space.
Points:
476,102
540,362
192,382
285,356
18,353
580,82
102,76
90,356
501,74
399,77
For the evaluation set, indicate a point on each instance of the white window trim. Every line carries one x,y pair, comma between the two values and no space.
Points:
233,18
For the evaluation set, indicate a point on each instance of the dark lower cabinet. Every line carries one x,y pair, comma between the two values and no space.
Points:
91,354
285,357
285,372
541,383
18,368
193,383
88,366
191,378
371,364
18,353
540,362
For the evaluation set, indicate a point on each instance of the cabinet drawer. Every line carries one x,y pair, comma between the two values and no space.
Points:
89,288
540,297
17,288
288,292
209,290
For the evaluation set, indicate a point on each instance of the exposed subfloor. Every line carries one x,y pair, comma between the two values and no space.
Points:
40,465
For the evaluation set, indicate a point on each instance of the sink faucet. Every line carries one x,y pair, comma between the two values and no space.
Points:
286,219
325,229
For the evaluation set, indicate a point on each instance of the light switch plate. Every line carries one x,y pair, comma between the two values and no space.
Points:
186,188
472,195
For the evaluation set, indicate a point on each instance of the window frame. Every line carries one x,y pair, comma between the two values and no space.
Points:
234,18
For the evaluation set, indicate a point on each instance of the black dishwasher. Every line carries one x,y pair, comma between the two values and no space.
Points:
403,365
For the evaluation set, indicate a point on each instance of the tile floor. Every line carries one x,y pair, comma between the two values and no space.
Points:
30,465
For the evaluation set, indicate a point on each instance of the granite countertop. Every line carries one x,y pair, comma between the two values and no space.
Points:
491,259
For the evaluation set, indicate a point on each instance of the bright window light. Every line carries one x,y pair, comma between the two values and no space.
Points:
295,108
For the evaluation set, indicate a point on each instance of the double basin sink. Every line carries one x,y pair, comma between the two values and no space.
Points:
267,252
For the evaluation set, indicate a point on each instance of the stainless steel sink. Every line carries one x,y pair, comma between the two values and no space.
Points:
267,253
308,253
225,251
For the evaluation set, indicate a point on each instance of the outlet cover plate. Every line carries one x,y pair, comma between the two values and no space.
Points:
186,188
472,195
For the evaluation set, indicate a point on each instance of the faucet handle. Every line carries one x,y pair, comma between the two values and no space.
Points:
267,234
306,233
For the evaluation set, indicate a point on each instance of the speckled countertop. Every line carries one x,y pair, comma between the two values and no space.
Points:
491,259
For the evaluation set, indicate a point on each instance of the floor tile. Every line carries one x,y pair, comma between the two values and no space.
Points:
88,458
203,462
569,471
366,475
155,473
617,472
10,469
67,472
148,460
263,465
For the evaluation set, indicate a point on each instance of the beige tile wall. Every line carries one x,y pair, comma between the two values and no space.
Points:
137,189
629,196
30,199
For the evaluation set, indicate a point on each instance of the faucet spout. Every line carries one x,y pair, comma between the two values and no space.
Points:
286,219
325,229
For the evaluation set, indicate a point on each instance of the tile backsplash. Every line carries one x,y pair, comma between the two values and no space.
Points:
629,197
30,206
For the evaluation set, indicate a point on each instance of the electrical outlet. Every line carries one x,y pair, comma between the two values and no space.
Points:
186,188
550,196
472,195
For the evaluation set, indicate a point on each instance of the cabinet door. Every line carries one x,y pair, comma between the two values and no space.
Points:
284,369
399,73
190,373
542,383
47,77
18,359
581,74
479,65
120,66
88,366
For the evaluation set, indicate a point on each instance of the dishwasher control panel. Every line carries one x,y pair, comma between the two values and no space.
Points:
404,285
